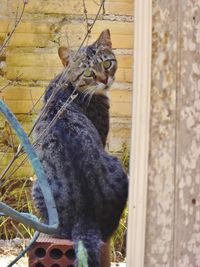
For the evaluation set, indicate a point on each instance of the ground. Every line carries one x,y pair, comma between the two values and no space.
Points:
10,249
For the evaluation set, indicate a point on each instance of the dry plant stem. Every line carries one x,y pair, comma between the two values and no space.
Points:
17,21
17,230
10,83
4,153
86,18
33,240
2,48
20,152
48,197
64,73
32,109
33,104
44,109
85,13
13,171
17,11
64,106
62,109
9,165
17,154
90,28
96,2
58,87
11,138
59,113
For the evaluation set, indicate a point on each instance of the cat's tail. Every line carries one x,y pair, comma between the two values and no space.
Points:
86,237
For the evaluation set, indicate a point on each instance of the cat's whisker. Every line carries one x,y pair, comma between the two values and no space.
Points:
91,92
88,92
90,96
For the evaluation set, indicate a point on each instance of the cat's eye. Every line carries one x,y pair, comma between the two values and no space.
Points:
88,73
107,64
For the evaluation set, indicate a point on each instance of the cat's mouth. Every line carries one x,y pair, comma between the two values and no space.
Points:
105,87
102,86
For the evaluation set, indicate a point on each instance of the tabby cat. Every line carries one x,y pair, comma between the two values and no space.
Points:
88,184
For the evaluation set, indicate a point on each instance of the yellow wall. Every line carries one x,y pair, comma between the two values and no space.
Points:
33,53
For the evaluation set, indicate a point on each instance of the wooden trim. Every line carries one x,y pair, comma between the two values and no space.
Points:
140,134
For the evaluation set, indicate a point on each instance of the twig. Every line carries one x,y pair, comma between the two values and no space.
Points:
17,21
9,165
17,230
15,169
86,18
18,153
51,97
4,153
10,83
58,114
48,197
96,2
22,253
32,109
33,104
17,11
104,10
44,109
90,28
11,138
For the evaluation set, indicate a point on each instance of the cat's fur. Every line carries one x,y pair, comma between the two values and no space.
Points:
88,184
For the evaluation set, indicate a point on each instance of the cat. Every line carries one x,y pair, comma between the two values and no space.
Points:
90,186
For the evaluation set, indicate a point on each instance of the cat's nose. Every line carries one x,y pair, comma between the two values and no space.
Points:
103,79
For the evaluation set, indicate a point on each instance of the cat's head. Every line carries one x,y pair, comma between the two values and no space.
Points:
92,69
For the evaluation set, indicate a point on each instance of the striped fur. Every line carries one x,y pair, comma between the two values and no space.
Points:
88,184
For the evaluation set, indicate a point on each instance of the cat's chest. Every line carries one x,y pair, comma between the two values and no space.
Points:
98,113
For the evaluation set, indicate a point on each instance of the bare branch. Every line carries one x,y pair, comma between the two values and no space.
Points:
92,25
11,138
86,19
4,153
33,104
17,21
13,83
48,197
50,99
9,165
59,113
13,171
17,230
33,240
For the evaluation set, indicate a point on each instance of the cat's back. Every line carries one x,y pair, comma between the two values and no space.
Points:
72,128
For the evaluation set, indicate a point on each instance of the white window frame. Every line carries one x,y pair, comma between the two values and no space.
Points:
140,133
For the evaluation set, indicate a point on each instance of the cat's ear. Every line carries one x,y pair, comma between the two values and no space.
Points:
63,53
104,39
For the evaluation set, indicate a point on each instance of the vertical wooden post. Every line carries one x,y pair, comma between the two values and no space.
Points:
187,219
140,134
160,230
173,199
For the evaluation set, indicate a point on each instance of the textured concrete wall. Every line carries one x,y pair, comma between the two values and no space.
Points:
33,53
173,217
